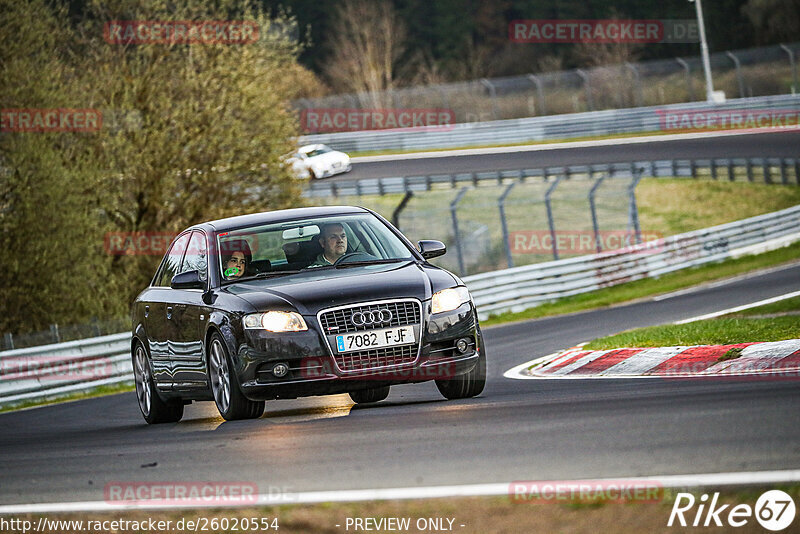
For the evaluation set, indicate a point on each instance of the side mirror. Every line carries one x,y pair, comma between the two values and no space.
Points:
431,249
187,280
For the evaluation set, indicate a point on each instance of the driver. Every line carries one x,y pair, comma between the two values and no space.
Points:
333,241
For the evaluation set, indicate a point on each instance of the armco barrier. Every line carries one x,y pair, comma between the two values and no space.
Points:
551,127
51,370
523,287
39,373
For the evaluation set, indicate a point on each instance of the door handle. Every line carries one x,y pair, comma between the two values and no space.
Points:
169,312
146,311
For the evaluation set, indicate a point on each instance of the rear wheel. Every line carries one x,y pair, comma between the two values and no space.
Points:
153,408
230,401
364,396
467,385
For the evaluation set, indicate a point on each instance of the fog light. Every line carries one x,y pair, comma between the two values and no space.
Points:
462,345
280,370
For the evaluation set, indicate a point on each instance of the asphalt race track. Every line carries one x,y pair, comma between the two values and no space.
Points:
753,145
516,430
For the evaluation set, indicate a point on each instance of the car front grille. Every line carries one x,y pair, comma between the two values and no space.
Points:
338,321
405,312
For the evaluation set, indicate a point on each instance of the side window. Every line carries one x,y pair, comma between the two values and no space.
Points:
196,255
172,261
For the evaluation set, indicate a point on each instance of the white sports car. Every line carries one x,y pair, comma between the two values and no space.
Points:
319,161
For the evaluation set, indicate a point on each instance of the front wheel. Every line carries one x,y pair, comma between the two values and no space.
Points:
230,401
467,385
153,408
364,396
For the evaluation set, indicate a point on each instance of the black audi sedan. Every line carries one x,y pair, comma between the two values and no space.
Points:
300,302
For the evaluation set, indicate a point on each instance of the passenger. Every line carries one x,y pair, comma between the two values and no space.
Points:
333,240
236,258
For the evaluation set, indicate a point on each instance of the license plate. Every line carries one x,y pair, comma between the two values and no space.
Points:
373,339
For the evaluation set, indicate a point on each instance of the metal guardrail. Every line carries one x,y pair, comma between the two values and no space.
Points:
769,170
567,126
47,371
50,371
519,288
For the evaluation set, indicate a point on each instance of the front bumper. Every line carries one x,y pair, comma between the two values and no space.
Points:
312,370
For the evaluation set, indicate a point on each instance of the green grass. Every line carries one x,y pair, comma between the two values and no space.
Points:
708,332
97,392
652,286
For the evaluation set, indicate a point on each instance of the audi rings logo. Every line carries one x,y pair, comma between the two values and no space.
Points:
371,317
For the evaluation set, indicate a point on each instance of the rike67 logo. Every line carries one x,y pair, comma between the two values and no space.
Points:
774,510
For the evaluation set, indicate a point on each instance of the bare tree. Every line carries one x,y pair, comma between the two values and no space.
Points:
367,41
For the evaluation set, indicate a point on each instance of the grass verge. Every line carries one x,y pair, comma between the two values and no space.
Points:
743,327
476,514
708,332
652,286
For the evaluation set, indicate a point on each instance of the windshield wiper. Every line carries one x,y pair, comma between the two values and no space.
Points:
371,262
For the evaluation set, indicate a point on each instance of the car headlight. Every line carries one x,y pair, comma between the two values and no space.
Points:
275,321
449,299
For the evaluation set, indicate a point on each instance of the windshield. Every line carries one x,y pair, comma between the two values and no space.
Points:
317,151
319,243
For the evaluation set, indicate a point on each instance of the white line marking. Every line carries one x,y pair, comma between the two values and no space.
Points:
740,308
709,285
643,361
424,492
557,145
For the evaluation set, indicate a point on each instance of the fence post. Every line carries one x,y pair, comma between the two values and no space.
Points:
593,208
713,166
457,235
587,88
550,221
766,171
492,94
400,207
539,92
784,178
738,65
9,340
501,205
633,210
731,176
54,333
795,86
639,96
689,86
796,171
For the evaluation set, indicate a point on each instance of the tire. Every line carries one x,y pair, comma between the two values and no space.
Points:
467,385
364,396
154,409
230,401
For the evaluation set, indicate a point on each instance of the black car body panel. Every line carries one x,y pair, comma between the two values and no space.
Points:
175,325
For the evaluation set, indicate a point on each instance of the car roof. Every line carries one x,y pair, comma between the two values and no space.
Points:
268,217
309,148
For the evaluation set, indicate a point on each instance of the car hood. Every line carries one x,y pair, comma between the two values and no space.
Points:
327,158
309,292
